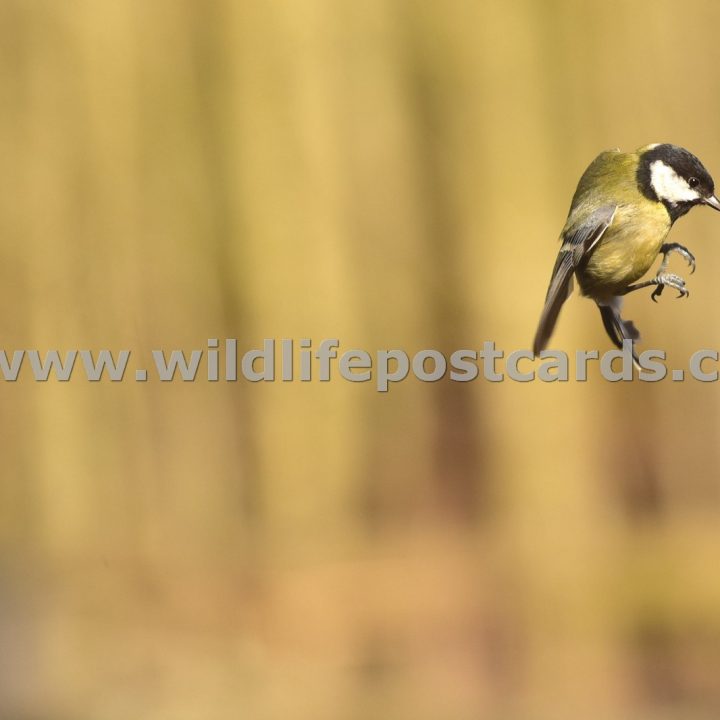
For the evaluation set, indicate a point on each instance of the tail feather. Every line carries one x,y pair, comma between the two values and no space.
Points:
618,329
558,292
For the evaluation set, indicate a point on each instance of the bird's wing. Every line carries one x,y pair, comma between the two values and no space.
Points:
577,243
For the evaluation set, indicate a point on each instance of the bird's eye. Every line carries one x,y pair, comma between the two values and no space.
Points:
693,182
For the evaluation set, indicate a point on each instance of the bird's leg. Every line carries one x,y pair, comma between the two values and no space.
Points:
661,280
668,248
663,277
665,250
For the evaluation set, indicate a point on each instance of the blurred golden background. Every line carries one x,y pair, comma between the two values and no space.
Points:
394,174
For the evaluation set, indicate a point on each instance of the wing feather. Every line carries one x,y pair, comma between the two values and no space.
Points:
577,243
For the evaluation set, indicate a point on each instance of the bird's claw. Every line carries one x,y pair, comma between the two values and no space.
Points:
680,250
669,280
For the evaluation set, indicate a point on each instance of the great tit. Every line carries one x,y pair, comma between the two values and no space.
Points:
620,215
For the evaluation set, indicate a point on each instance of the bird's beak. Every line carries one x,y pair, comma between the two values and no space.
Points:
713,202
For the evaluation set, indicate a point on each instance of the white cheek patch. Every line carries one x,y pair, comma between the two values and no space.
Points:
669,186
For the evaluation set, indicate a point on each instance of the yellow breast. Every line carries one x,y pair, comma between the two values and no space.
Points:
626,251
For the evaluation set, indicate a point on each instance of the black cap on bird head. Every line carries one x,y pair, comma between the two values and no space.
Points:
675,177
